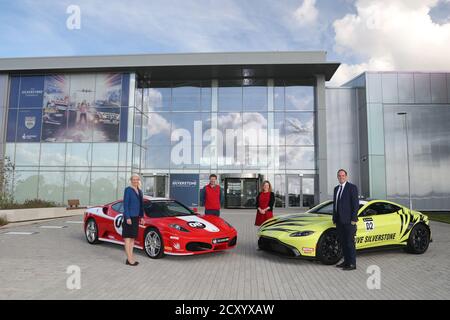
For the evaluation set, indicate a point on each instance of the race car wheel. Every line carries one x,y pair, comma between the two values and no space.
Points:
91,232
329,250
418,240
153,243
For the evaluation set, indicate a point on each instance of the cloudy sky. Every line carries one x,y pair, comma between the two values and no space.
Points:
361,34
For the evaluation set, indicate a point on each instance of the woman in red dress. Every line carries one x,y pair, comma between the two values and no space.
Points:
264,203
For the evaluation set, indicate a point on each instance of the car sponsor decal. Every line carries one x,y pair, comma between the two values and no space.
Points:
375,238
118,222
196,220
369,224
307,250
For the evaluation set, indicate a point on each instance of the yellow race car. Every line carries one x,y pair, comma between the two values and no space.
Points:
313,235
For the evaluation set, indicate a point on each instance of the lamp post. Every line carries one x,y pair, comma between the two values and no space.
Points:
405,114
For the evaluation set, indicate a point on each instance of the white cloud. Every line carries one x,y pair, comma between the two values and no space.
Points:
306,13
392,34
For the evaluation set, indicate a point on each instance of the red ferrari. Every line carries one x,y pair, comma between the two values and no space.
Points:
168,227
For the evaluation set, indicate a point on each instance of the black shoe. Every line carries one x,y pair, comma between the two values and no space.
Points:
341,265
349,267
131,264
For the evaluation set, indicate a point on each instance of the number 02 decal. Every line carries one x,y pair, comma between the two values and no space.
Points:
369,224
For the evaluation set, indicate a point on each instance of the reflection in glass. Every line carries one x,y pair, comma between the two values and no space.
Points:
25,185
186,96
53,154
300,157
255,128
51,186
105,154
78,154
299,128
27,154
293,190
159,99
157,157
230,96
280,190
278,97
299,98
77,186
156,131
255,98
103,187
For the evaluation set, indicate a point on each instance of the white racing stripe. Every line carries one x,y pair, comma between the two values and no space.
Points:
208,225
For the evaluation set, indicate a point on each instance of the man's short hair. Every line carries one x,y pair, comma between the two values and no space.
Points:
342,171
212,175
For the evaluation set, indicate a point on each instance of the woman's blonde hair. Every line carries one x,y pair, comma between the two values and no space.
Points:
131,179
264,182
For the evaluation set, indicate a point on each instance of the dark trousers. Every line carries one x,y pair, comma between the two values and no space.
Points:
213,212
346,233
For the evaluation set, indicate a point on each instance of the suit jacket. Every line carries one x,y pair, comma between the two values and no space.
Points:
348,205
133,204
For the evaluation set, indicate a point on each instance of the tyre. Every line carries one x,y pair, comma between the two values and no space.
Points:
419,239
329,249
153,243
91,231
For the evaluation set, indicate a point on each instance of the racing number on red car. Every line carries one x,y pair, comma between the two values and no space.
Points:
118,221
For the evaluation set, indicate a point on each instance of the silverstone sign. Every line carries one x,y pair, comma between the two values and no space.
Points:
185,188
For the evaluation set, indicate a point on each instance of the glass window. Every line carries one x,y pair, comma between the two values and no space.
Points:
27,154
379,208
299,128
326,208
51,186
300,158
12,125
53,154
103,187
158,209
25,185
230,96
255,96
78,154
77,186
206,97
299,98
278,97
255,128
157,129
105,124
118,207
186,97
105,154
159,98
279,190
157,157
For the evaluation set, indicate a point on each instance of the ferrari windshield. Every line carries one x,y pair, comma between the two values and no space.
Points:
165,208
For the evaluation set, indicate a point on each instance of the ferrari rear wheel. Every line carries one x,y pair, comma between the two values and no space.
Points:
329,250
153,243
91,232
418,240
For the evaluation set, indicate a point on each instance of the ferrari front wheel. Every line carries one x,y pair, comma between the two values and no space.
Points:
329,250
91,232
153,243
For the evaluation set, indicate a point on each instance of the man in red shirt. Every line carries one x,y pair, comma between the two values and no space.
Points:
211,196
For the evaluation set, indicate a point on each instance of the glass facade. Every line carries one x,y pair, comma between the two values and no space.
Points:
238,127
381,135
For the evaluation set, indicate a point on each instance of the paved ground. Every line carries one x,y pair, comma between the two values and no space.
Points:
34,267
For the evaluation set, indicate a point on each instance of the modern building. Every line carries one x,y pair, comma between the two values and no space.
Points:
78,127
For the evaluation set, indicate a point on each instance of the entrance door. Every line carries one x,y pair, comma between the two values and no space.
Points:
300,191
155,186
241,192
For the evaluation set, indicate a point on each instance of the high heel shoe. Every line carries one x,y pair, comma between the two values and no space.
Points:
131,264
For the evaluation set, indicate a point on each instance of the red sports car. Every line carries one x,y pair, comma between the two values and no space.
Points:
168,227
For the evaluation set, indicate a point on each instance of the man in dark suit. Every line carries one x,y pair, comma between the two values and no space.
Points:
345,217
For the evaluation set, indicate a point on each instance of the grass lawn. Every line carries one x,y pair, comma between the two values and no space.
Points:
440,216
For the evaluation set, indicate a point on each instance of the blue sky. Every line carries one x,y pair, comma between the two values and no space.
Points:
362,34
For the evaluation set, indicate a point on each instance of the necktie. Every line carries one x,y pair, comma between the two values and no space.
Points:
338,196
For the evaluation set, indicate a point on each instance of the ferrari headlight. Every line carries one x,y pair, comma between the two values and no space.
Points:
301,233
178,227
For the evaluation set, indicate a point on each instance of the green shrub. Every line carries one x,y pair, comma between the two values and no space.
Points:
3,221
27,204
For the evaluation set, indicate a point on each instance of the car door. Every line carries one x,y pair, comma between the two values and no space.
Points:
378,225
115,228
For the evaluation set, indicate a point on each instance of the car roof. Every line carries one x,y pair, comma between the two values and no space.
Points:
155,198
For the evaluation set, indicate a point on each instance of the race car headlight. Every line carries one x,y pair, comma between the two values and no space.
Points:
301,233
178,227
